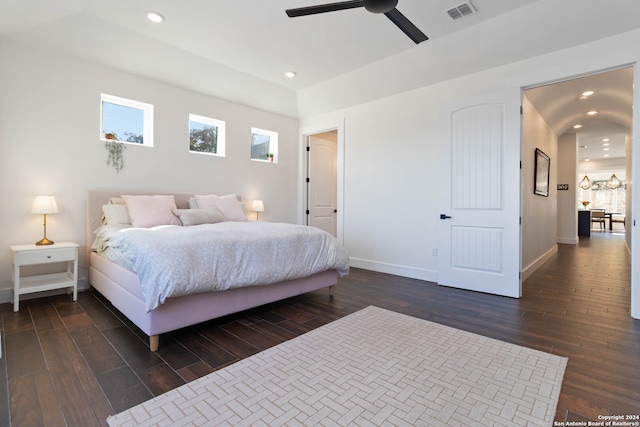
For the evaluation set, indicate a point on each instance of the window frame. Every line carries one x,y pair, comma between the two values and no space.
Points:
273,144
147,118
221,134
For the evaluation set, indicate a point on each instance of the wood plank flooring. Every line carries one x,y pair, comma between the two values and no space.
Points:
73,364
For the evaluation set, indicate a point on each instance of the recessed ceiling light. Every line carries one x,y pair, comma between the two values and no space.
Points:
587,159
605,139
592,112
606,155
585,95
577,126
290,74
605,149
155,17
606,144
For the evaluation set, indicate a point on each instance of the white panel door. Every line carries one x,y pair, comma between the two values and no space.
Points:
322,189
479,232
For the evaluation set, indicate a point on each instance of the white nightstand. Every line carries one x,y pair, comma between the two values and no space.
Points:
23,255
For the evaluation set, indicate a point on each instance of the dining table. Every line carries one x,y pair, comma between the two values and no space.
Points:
609,216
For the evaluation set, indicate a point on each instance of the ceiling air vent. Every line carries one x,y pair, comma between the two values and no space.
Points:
461,10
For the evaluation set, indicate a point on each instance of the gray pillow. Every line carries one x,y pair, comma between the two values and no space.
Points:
199,216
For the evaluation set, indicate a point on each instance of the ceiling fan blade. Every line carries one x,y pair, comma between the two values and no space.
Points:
322,8
406,26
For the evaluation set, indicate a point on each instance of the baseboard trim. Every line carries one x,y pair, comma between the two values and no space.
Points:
397,270
569,240
6,295
528,271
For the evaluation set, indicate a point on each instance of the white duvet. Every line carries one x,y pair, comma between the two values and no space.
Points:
173,261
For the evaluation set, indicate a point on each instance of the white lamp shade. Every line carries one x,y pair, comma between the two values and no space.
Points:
44,205
257,206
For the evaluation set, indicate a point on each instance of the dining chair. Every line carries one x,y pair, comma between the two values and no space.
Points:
597,216
618,218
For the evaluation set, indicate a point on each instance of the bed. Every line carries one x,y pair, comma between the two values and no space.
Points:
124,288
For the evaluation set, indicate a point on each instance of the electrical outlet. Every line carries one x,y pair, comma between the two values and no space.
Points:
434,252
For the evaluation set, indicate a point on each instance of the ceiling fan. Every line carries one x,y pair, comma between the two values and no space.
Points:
388,7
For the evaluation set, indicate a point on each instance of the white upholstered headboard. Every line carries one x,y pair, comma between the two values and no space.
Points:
97,197
100,196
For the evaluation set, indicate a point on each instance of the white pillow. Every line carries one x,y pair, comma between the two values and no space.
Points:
199,216
116,215
228,205
149,211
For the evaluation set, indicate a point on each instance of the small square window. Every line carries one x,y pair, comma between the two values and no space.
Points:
206,135
126,120
264,145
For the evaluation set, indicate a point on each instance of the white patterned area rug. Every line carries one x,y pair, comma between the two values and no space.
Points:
372,368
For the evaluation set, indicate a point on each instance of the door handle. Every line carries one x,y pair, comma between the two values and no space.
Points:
443,216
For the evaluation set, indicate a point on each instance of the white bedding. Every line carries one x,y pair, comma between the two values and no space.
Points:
173,261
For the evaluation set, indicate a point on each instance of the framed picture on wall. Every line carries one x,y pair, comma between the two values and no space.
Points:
541,178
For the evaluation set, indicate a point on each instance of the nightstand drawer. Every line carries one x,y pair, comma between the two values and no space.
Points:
44,256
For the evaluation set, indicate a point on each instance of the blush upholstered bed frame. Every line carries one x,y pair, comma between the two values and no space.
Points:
122,288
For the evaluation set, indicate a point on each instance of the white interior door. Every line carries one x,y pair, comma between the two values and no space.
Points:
479,232
322,182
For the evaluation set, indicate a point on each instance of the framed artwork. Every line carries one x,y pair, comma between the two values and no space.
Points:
541,178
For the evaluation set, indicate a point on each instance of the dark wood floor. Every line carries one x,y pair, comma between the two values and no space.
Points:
73,364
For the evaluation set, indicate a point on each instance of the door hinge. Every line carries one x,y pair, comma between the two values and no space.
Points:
308,180
521,110
520,164
308,212
308,148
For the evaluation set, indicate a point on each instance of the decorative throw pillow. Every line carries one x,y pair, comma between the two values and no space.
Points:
228,205
203,201
116,215
199,216
117,201
149,211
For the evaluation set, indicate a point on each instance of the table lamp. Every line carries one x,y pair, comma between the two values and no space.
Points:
45,205
257,206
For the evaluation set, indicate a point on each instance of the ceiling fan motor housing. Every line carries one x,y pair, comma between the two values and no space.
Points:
386,7
380,6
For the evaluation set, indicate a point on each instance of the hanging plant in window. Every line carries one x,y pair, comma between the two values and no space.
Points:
115,148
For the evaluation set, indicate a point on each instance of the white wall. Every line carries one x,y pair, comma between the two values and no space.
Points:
628,236
568,174
392,167
600,165
49,144
539,213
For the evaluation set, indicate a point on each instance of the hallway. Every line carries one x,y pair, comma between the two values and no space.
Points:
585,291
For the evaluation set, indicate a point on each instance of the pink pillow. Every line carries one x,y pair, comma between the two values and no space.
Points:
149,211
228,205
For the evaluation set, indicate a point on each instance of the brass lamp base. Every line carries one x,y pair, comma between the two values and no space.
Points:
44,241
